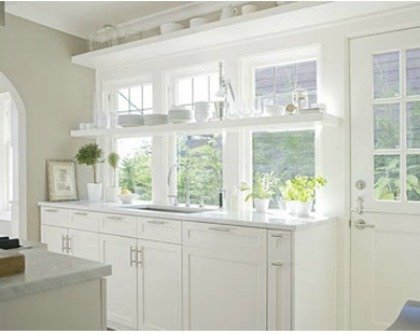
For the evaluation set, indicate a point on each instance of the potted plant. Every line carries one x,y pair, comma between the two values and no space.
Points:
113,191
299,194
91,155
261,192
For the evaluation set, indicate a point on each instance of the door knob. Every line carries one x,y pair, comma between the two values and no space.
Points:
360,184
361,224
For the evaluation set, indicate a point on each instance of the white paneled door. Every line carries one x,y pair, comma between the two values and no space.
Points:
385,167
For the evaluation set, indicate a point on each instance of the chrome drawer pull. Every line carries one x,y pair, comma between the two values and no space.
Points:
63,248
278,235
219,229
51,210
114,218
139,257
68,240
80,213
133,253
157,222
277,264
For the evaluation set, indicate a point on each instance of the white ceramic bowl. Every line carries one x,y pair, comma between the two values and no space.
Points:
170,27
130,120
198,21
275,110
155,119
127,198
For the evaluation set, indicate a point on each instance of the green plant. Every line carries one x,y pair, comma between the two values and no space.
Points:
113,160
90,155
302,188
262,187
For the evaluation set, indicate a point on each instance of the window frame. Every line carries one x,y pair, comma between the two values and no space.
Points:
174,75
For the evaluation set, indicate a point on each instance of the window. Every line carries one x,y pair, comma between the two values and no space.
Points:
135,172
135,99
396,156
202,157
189,90
287,154
274,85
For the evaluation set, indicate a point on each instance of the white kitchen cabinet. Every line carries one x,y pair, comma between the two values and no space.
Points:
223,290
55,238
84,244
120,252
279,289
159,286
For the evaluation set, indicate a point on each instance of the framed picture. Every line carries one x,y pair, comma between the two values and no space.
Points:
62,184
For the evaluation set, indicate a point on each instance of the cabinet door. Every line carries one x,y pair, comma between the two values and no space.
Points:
279,281
159,286
54,238
224,290
84,245
120,253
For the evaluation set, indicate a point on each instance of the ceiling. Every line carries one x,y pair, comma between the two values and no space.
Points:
82,18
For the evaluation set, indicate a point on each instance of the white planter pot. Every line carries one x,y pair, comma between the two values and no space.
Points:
94,192
290,207
261,205
111,194
303,209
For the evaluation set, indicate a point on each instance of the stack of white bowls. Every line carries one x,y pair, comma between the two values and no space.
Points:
180,115
155,119
127,120
202,111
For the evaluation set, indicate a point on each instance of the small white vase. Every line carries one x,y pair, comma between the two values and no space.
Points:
261,205
303,209
94,192
290,207
111,194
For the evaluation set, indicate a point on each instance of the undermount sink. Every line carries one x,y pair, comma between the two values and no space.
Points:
163,208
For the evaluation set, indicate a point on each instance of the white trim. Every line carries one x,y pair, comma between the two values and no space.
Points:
19,210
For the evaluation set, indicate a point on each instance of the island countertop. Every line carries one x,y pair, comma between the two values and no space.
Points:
273,219
45,270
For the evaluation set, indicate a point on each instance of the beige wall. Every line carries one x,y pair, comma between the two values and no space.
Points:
57,96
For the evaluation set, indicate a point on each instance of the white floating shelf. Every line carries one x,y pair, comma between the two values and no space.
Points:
286,122
288,17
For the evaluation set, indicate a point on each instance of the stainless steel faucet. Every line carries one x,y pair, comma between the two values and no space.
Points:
187,181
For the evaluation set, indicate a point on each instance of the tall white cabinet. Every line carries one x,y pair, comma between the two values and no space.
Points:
179,275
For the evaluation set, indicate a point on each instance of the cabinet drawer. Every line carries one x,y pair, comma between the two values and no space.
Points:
279,246
55,217
125,226
160,229
85,220
222,236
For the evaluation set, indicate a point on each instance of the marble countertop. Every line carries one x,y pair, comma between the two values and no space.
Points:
273,219
46,271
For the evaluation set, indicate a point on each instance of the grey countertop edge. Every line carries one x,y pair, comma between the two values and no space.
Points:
12,290
283,223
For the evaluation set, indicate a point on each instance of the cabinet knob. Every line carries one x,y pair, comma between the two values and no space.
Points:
133,256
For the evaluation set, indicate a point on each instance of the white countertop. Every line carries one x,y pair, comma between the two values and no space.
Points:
273,219
46,271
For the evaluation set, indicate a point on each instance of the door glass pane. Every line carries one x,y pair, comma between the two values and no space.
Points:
387,126
413,176
387,177
413,124
386,74
413,72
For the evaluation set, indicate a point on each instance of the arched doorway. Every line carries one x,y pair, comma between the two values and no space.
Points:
18,227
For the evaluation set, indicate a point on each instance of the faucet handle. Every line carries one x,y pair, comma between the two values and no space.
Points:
173,200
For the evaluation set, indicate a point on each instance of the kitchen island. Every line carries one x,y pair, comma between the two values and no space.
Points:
56,292
208,270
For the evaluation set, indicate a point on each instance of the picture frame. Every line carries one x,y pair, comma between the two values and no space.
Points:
62,180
